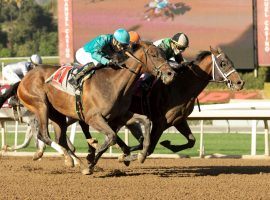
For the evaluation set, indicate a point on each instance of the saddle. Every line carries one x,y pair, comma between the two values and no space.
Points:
62,80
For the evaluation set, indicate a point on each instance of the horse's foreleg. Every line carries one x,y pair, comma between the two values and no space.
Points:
184,129
60,128
156,132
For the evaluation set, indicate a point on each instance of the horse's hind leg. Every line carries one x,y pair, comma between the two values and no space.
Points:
91,148
42,116
60,128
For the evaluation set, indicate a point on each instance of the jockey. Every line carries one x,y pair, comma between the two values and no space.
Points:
173,47
14,73
134,39
101,50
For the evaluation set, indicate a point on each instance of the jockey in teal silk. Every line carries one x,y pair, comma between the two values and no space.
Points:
102,50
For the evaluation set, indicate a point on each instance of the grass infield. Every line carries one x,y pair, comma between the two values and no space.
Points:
226,143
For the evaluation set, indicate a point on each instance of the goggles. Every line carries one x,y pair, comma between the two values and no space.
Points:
178,46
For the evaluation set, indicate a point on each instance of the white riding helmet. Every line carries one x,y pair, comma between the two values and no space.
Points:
36,59
181,39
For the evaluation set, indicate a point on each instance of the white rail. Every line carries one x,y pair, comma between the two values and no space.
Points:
247,110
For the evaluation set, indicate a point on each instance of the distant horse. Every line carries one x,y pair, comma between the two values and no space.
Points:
25,117
171,105
106,98
153,11
32,133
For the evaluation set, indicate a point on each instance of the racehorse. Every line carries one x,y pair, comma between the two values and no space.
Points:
171,105
25,117
106,97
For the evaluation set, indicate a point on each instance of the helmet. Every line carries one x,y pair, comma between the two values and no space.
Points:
134,37
122,36
181,39
36,59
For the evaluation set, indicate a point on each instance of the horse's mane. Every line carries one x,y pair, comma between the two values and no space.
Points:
202,55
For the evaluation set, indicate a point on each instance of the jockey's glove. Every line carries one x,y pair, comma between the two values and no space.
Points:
113,62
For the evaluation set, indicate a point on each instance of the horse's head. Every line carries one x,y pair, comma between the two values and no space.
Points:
154,62
222,69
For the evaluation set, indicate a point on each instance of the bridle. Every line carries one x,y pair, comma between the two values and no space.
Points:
216,70
156,68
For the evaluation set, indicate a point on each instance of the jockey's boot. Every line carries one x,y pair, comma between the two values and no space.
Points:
12,90
80,73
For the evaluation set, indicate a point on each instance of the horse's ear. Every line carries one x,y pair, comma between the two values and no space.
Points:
214,51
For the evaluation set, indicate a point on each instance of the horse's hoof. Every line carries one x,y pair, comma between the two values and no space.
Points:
130,158
37,155
69,161
141,158
87,171
165,143
127,163
121,158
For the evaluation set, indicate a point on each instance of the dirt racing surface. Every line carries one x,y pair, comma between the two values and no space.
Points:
22,178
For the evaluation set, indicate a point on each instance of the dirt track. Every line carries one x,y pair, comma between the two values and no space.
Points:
22,178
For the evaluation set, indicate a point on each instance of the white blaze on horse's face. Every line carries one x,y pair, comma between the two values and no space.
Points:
223,71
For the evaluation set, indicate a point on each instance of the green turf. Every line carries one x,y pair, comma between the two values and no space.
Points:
229,144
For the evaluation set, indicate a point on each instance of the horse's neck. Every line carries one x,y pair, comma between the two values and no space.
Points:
122,80
187,86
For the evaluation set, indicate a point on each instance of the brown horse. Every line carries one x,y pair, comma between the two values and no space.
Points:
171,105
106,98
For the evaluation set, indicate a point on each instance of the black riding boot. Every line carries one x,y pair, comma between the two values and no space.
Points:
80,73
8,93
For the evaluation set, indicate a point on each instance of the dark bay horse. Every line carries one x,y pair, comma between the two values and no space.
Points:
106,98
171,105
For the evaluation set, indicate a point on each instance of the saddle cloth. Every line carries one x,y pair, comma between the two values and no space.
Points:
60,78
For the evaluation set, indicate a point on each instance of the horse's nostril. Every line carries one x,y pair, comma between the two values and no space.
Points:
240,82
169,73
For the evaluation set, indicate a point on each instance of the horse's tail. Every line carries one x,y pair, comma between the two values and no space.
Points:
9,93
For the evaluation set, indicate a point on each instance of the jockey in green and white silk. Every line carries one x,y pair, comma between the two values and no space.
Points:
173,47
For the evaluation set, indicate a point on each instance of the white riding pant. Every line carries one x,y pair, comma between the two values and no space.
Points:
11,77
84,57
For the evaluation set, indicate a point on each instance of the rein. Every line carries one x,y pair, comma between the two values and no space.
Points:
156,68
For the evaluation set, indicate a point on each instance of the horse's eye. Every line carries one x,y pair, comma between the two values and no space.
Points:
223,64
154,55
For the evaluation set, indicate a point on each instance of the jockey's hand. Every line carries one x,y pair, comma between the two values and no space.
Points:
113,62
